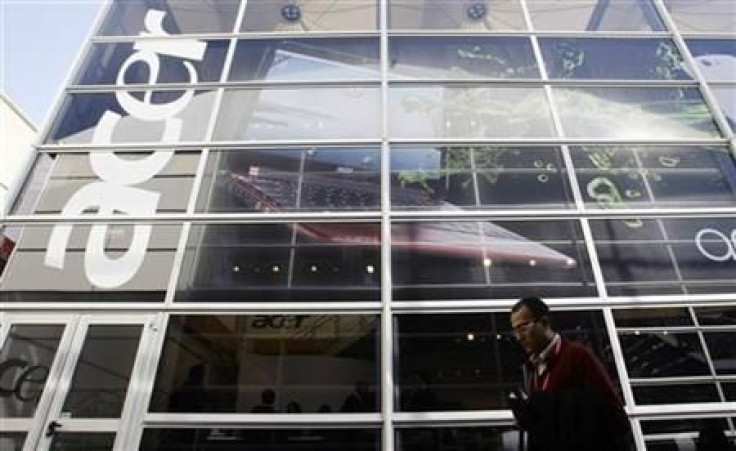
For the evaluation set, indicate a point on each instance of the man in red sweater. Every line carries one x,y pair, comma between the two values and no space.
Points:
570,402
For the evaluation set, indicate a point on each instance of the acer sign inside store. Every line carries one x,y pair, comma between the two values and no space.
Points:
116,191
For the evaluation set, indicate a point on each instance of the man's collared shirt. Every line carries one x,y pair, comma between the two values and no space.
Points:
539,361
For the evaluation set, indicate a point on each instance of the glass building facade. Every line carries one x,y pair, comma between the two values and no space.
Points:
300,225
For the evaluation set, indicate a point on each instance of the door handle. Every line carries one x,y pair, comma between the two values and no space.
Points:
51,429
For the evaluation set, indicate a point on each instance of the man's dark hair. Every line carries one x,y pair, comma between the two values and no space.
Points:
535,304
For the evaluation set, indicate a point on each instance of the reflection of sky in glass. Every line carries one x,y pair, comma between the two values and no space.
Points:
277,114
290,65
620,58
716,60
439,111
466,57
81,113
703,15
594,15
635,113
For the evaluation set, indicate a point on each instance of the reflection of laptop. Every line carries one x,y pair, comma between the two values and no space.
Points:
272,191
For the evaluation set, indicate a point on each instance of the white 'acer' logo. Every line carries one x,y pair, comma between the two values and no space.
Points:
727,249
113,193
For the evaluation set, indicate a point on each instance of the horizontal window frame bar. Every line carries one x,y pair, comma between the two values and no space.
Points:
403,142
370,82
684,411
260,421
481,306
681,380
675,329
376,216
396,32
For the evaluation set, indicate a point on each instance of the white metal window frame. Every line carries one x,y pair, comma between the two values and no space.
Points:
389,419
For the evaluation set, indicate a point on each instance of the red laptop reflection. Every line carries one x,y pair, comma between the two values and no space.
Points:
272,191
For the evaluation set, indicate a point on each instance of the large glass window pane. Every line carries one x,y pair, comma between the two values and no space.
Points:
75,177
100,383
314,179
716,316
26,357
480,16
722,349
82,441
500,259
478,177
716,58
643,256
310,15
699,246
468,112
715,16
634,257
93,263
594,15
662,317
674,393
627,59
264,363
458,439
312,439
306,59
461,57
103,65
128,17
306,113
689,434
663,354
634,113
614,177
725,96
104,118
281,262
10,441
470,361
729,391
687,425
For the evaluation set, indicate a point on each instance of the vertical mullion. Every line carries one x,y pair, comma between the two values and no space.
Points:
150,357
387,348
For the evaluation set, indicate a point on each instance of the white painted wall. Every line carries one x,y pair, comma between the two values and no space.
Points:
17,135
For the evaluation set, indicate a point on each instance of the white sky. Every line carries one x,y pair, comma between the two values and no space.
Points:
39,41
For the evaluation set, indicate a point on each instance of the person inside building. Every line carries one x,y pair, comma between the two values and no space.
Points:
268,399
362,399
568,401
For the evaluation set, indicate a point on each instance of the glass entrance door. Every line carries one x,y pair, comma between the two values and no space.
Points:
65,380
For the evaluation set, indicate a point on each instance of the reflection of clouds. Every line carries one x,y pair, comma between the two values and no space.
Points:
311,113
469,112
717,67
298,64
591,114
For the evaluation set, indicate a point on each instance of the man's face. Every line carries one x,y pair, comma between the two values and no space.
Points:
532,333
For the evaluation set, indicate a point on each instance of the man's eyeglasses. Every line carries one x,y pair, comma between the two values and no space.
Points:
522,327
